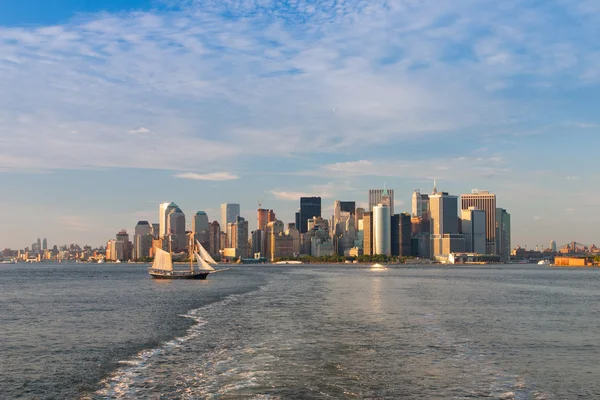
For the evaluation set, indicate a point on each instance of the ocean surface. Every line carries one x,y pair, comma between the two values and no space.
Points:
89,331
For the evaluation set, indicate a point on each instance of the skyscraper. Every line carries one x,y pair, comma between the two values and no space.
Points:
200,227
309,207
38,244
473,229
214,239
381,196
122,251
176,229
261,218
367,233
163,211
420,204
484,200
503,234
45,244
382,230
229,212
445,238
142,240
239,236
553,247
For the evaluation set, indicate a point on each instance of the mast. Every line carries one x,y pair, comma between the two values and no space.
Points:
191,250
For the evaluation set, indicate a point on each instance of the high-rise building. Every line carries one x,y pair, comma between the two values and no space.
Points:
473,229
262,216
45,244
553,247
163,211
445,238
229,212
484,200
39,244
503,234
367,223
309,207
122,250
405,235
176,230
200,227
381,196
257,242
420,204
214,239
342,206
382,230
142,240
239,236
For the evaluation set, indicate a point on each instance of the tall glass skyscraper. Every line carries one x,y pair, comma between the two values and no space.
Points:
309,207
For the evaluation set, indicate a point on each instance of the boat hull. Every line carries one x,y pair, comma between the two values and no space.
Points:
178,275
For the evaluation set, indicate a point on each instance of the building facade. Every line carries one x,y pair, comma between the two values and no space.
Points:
309,207
473,229
382,241
484,200
381,196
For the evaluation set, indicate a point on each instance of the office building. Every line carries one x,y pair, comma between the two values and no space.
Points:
486,201
239,237
200,227
405,236
45,244
214,239
420,204
382,230
473,229
176,230
163,211
381,196
503,245
445,237
309,207
229,212
367,223
142,240
121,246
553,247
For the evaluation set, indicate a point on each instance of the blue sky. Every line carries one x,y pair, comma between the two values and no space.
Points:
108,108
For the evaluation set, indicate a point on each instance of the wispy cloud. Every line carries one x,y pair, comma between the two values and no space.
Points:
290,196
140,131
213,176
220,78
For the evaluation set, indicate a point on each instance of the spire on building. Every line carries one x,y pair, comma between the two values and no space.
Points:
434,186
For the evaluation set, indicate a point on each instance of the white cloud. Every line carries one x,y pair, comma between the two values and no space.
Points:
220,86
140,131
213,176
291,196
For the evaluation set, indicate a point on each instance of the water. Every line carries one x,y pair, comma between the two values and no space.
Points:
109,331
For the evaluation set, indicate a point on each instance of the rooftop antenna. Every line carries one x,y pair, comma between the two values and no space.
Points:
435,186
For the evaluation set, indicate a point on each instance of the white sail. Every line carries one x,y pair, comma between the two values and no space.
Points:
203,265
162,260
205,255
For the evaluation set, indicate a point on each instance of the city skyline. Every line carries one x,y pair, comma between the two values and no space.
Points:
108,106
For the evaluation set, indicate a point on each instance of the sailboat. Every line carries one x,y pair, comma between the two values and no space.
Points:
205,255
162,267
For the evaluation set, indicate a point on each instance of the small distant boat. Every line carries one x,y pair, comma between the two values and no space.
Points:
544,262
289,262
101,261
162,267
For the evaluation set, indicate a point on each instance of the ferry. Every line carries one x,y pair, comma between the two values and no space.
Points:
544,262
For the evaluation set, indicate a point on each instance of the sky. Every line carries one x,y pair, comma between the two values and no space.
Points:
108,108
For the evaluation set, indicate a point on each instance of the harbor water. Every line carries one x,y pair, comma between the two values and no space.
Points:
89,331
